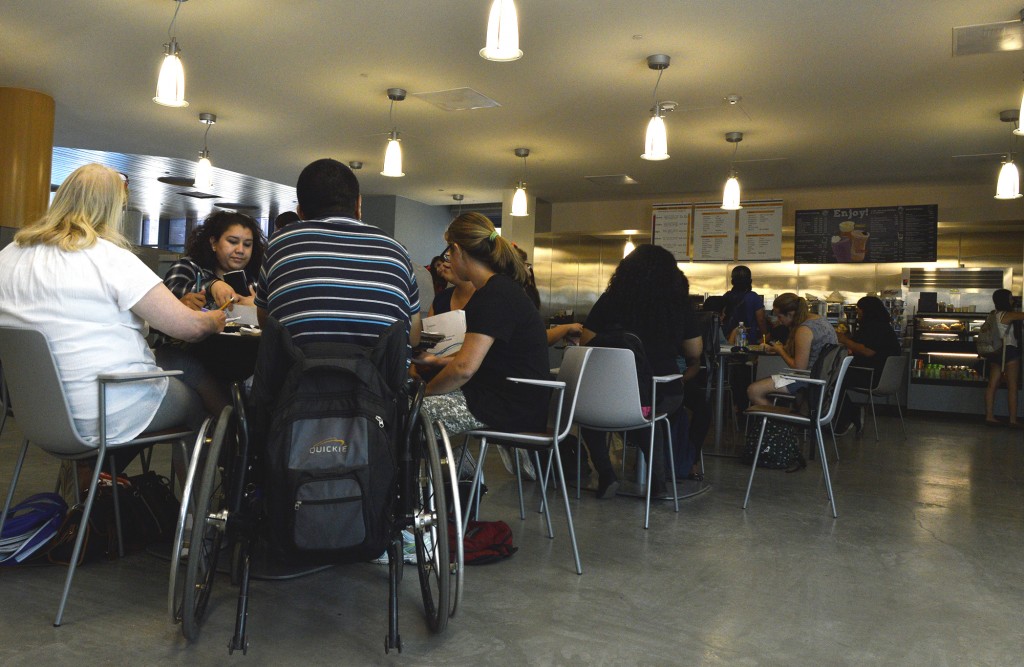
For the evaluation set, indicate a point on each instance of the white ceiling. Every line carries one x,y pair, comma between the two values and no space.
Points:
848,91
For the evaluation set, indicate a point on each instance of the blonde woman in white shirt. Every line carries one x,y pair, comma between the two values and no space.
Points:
72,276
1005,362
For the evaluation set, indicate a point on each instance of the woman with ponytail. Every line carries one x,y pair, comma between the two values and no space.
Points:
504,338
809,333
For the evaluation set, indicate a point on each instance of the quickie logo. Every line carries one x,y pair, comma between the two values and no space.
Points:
329,446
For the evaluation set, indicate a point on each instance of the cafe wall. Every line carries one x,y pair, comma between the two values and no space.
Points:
579,254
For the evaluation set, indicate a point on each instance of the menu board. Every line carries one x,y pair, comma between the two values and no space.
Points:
760,232
670,228
714,233
875,234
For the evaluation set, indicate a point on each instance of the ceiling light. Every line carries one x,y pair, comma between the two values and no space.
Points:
1008,185
393,154
519,198
458,200
1017,130
731,194
170,86
656,140
502,33
628,248
204,169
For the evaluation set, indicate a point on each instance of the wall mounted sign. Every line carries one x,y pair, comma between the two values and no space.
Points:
754,233
670,228
875,234
714,233
760,232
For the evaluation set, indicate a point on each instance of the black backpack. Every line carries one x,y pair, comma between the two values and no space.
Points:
327,416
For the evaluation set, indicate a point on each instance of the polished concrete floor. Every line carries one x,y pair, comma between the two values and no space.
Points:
924,566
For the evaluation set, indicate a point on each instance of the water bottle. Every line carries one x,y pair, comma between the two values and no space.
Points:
741,336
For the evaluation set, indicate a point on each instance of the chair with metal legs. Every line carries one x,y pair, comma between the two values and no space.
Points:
889,384
565,391
45,420
823,401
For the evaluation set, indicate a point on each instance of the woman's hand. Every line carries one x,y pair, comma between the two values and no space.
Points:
427,359
222,293
194,300
843,338
249,300
777,347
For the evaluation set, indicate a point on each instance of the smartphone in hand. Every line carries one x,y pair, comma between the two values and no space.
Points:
237,281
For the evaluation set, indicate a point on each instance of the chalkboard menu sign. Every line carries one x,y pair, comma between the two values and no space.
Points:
876,234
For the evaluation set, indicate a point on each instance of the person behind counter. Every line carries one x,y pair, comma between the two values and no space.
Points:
1004,364
504,338
73,276
874,342
809,333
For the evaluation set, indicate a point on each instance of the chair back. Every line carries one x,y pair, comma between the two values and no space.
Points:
893,373
711,328
37,393
832,396
610,397
574,363
824,368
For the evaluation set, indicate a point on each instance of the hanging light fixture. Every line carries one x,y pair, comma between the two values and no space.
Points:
519,198
656,139
393,154
170,86
204,168
1008,185
1017,129
628,248
731,195
458,200
502,33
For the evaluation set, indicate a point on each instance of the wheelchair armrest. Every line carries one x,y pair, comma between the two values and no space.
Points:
803,378
114,378
658,379
551,384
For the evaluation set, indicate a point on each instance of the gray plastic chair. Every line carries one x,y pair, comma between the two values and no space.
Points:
45,420
823,404
610,402
893,373
560,419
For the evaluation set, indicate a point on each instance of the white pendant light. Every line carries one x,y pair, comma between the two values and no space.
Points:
1008,185
393,154
519,208
656,139
204,168
170,85
731,194
628,248
502,33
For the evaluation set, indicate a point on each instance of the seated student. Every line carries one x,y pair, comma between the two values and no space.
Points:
454,297
874,342
73,276
649,296
504,338
809,333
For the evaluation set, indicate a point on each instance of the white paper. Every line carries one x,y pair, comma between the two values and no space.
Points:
781,381
452,325
246,315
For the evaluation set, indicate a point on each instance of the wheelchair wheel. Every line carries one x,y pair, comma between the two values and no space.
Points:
449,466
430,524
209,521
175,587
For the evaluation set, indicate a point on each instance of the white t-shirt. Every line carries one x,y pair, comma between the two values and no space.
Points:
81,301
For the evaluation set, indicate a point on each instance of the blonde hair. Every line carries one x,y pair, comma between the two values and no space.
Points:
790,303
477,237
88,206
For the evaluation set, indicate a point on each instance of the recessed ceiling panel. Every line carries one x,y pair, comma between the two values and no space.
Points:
458,99
988,38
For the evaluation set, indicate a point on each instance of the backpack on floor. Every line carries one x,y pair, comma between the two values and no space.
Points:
484,542
329,445
988,340
30,525
779,449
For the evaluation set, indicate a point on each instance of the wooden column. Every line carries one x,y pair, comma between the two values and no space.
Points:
26,154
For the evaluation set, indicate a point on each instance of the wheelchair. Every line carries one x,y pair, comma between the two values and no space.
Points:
222,497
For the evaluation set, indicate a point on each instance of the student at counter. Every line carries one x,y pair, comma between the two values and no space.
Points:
874,342
1004,364
73,276
809,333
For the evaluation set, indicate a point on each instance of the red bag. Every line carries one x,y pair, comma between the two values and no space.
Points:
484,542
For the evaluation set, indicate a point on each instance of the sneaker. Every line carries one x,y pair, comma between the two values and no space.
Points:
408,549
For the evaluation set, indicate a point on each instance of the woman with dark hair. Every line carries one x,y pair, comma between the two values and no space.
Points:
649,296
1006,362
746,306
504,338
873,343
226,241
809,333
437,274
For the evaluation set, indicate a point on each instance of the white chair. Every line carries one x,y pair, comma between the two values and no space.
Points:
823,400
45,420
560,419
610,402
889,384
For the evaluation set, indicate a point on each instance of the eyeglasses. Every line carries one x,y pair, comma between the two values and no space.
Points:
446,254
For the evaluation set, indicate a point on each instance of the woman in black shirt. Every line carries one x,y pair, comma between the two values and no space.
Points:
873,343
